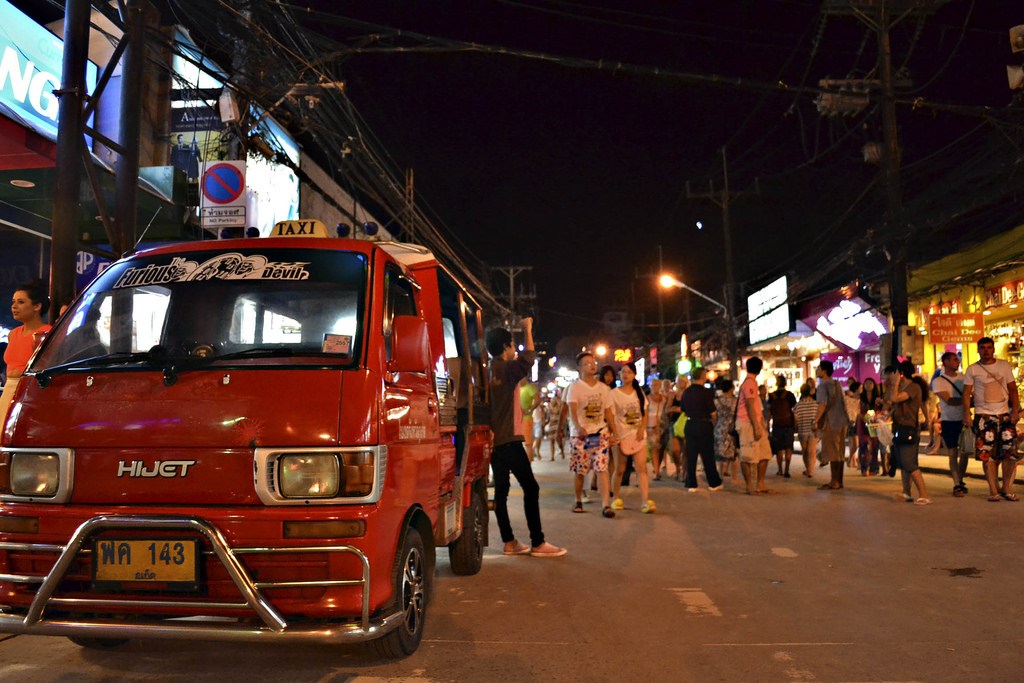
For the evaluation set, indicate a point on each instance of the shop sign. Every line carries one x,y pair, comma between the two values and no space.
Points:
768,312
848,366
852,324
960,328
31,65
1006,293
944,307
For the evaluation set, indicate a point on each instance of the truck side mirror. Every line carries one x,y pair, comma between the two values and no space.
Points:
410,349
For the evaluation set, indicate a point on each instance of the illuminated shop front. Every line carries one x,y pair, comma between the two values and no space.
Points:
976,293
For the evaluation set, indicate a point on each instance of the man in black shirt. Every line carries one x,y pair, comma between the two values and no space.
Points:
509,454
699,405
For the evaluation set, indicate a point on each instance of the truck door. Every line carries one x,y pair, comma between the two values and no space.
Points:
410,407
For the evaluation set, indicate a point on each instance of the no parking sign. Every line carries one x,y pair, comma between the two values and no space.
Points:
223,194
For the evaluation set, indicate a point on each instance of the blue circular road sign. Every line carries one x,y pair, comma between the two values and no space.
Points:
223,183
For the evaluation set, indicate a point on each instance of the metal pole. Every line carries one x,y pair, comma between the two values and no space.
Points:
127,175
661,307
730,322
66,193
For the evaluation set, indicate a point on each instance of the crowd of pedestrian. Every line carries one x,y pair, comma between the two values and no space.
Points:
620,431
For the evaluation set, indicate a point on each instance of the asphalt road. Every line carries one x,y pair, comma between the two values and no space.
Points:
798,585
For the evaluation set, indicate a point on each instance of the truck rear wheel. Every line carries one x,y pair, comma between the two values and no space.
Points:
466,553
411,588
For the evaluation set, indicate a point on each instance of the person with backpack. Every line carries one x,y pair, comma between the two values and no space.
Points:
780,408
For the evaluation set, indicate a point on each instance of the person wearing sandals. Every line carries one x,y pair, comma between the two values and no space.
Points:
832,423
509,454
590,410
948,386
907,394
755,453
991,384
628,411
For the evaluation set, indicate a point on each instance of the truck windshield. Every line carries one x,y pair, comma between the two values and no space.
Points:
246,306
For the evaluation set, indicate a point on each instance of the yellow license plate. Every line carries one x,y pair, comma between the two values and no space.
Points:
170,562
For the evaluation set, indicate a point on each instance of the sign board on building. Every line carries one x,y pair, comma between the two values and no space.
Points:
960,328
852,324
768,311
31,66
223,195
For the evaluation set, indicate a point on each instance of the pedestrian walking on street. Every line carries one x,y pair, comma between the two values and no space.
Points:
991,384
832,423
870,400
780,407
755,453
725,445
630,431
699,406
509,454
590,410
907,394
806,414
948,386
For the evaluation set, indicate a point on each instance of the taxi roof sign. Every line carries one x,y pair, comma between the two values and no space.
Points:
299,228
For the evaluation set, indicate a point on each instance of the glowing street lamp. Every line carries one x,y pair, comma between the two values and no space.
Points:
601,350
669,281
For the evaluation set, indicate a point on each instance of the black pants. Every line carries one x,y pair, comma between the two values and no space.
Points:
700,440
511,458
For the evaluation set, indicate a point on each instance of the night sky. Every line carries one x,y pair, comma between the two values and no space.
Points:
579,170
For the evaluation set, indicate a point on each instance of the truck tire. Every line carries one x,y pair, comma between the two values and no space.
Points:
411,587
466,552
97,643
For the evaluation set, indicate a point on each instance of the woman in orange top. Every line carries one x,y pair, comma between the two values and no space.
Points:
28,306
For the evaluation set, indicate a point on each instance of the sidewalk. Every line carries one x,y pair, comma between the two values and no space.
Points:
939,464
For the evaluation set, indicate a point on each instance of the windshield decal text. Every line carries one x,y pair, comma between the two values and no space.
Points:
221,267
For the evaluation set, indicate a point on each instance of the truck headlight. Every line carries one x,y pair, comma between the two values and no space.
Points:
319,475
42,475
35,474
309,475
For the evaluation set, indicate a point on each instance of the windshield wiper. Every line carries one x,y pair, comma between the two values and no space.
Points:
104,361
257,352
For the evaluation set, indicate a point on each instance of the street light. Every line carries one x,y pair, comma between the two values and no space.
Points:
668,281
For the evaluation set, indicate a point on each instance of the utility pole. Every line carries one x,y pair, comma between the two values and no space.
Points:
881,16
70,152
512,272
724,199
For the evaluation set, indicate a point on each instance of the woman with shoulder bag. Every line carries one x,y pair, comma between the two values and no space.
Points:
907,394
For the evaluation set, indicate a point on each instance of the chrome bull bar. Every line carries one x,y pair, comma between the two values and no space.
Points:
33,622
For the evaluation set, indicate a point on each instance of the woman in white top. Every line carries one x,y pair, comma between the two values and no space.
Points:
630,429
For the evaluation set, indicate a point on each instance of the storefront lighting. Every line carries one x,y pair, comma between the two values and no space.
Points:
1013,305
27,184
987,311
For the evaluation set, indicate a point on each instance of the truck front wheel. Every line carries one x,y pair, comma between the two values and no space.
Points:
466,553
411,586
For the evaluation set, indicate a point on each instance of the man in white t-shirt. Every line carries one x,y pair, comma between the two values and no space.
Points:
991,384
948,386
590,413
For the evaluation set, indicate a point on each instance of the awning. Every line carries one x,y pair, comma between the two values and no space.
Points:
969,266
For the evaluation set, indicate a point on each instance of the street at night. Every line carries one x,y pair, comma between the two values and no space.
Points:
799,585
297,287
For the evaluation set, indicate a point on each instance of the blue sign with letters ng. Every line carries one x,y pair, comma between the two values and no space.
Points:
30,69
